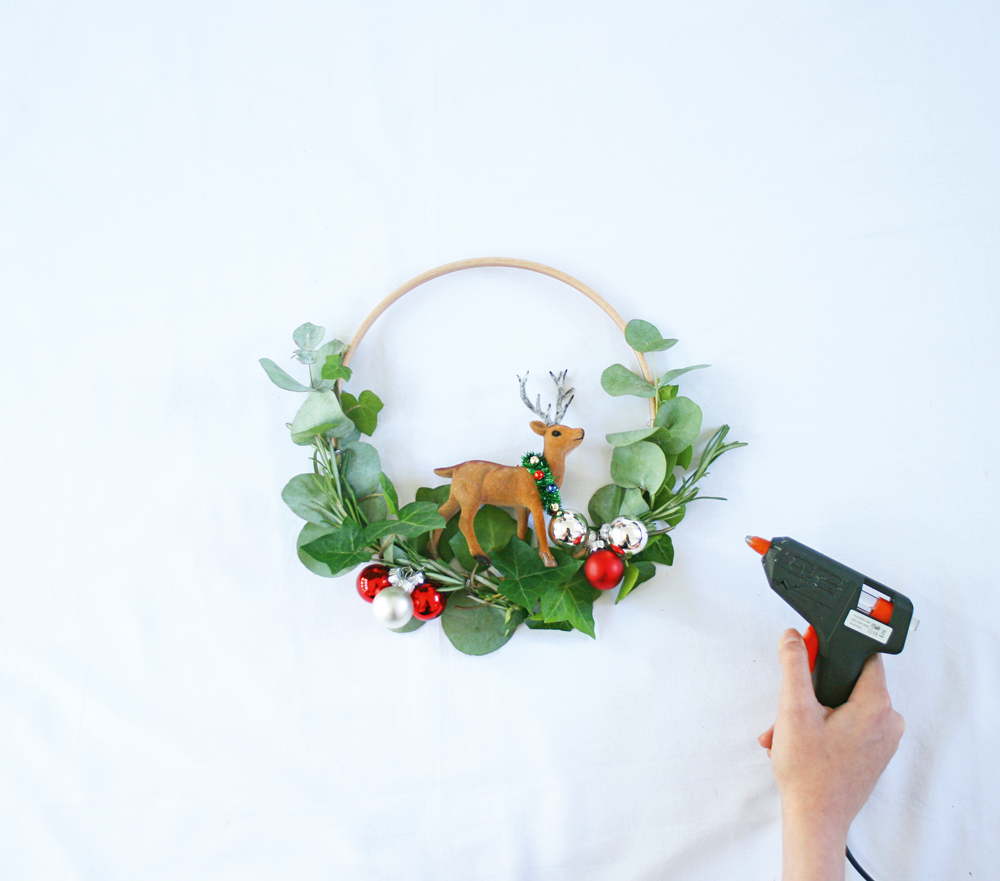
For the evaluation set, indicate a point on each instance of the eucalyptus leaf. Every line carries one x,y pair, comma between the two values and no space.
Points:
671,375
644,337
633,504
305,496
680,420
361,468
476,629
624,438
308,336
373,508
310,532
605,504
320,414
413,624
640,464
684,457
280,378
618,380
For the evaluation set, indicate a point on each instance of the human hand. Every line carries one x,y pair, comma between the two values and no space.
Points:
826,762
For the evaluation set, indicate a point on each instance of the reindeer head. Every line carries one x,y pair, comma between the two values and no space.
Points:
559,439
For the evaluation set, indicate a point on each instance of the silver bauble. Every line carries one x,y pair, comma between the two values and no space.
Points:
392,606
568,528
628,534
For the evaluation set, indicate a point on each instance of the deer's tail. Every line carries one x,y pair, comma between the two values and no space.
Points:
445,472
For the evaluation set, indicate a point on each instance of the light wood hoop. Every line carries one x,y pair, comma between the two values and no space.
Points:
502,262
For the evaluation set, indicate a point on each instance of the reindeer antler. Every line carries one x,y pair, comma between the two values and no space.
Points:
563,399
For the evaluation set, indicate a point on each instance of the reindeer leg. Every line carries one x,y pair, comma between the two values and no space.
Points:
465,525
447,510
543,541
522,523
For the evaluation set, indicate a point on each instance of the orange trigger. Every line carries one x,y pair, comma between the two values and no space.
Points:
812,646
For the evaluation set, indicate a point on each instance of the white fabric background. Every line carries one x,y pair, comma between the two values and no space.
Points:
805,194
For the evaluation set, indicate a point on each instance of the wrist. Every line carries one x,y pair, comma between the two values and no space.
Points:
814,842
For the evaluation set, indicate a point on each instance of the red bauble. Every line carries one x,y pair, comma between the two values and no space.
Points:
371,580
427,602
604,569
538,475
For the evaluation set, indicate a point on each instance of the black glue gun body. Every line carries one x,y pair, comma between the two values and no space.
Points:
850,616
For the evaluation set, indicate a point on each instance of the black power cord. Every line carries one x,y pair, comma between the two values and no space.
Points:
854,862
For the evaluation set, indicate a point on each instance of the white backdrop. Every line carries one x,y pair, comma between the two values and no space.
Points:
805,194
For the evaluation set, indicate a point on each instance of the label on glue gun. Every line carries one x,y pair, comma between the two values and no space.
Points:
868,626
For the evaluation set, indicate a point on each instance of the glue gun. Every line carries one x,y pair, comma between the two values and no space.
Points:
850,616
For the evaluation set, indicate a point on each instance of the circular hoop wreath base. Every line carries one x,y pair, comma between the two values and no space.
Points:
418,563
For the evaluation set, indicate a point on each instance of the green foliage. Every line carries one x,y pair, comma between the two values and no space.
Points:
320,414
310,532
605,504
618,380
363,411
304,494
494,528
341,550
361,468
280,378
526,579
679,422
334,347
641,464
671,375
571,601
644,337
635,574
633,504
478,629
308,336
334,369
389,493
660,549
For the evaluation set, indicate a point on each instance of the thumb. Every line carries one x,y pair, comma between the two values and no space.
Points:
796,680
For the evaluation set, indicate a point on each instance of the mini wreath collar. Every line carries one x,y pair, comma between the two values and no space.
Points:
545,483
485,579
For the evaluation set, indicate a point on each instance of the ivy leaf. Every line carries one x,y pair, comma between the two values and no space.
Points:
438,494
391,497
341,550
476,629
605,504
361,468
624,438
680,420
308,336
635,574
640,464
536,623
304,495
320,413
280,378
363,411
422,515
644,337
334,347
526,577
618,380
660,549
333,368
667,392
571,601
671,375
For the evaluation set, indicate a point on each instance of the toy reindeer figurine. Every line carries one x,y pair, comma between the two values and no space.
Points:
477,483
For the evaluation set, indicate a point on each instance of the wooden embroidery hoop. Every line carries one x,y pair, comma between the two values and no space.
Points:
506,263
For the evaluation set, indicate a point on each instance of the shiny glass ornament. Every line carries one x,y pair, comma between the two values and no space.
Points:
428,603
568,528
604,569
629,535
371,580
393,607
